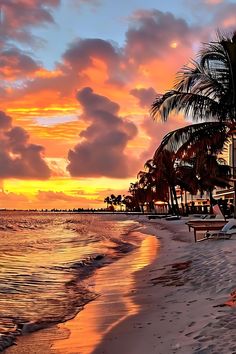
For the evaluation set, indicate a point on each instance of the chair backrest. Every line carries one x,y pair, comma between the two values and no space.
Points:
217,212
230,225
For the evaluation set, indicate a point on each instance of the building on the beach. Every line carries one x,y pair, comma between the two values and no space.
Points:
227,155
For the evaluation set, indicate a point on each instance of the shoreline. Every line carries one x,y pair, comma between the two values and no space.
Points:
183,308
177,304
132,238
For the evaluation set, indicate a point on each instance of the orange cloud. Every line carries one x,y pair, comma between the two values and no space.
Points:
16,64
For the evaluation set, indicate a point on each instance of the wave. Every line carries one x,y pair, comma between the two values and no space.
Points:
45,268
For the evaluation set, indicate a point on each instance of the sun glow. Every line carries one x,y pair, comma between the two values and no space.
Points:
174,45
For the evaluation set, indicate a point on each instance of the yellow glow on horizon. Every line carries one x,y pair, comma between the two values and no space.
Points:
39,110
66,185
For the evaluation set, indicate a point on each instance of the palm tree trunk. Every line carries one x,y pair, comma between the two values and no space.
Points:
142,208
172,200
211,201
176,200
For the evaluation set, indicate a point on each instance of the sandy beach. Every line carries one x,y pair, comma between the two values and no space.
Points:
170,296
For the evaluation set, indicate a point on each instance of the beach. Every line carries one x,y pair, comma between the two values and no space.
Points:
169,296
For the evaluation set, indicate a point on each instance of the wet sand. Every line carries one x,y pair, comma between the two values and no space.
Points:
154,301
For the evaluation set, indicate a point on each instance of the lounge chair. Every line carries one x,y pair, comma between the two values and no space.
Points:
226,232
173,217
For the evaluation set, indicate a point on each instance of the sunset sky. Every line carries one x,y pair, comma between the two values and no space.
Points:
77,81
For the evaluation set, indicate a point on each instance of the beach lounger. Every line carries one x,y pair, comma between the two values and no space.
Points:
156,216
206,226
211,219
226,232
173,217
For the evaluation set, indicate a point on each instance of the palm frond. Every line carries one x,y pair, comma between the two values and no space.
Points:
196,106
196,137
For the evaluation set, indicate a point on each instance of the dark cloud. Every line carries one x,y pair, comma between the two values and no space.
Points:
101,151
81,53
19,158
144,96
18,16
152,33
16,64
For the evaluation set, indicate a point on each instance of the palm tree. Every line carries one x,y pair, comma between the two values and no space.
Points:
139,195
195,165
146,182
107,200
129,203
204,90
119,201
162,178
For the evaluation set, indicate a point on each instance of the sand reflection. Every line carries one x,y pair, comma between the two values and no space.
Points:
116,283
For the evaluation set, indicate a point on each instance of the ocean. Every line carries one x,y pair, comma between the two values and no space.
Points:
45,261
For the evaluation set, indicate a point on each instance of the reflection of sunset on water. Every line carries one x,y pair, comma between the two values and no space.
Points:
116,284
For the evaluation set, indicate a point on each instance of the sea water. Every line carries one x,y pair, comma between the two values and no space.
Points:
44,261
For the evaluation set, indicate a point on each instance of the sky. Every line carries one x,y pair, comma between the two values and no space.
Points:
77,81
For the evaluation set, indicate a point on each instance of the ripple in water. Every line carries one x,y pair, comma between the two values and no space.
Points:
44,260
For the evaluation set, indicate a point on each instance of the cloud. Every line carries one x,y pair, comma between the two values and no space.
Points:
19,16
101,151
14,200
152,37
55,196
214,15
57,167
19,158
144,96
14,63
153,32
101,64
81,54
156,130
225,17
213,2
50,199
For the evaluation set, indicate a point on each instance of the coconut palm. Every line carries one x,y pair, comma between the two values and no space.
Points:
108,201
163,169
192,139
197,166
138,194
206,88
146,182
159,185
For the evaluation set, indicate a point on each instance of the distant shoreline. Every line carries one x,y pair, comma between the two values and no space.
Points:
79,212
